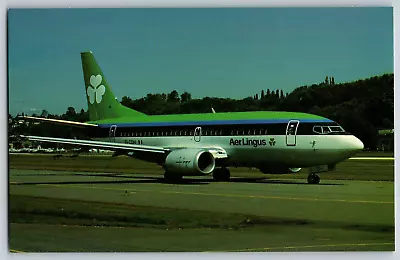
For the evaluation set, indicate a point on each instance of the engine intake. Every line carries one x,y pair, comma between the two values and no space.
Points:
190,162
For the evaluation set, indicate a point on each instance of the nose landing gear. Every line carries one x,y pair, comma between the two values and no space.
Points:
313,178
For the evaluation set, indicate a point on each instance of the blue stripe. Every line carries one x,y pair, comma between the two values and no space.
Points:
217,122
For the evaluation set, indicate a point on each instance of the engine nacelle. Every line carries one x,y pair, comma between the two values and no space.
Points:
278,170
190,162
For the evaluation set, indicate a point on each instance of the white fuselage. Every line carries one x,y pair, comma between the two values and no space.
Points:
256,150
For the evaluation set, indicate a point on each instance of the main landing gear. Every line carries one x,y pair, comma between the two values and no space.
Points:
313,178
221,174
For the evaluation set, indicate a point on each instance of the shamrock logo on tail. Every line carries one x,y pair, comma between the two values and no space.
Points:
95,92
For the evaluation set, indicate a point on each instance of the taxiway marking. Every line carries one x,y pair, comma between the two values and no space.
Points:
16,251
305,246
371,158
219,194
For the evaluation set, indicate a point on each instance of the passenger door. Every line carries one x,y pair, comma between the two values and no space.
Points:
197,134
291,131
113,129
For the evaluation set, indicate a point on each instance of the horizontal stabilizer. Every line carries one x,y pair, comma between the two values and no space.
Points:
58,121
99,144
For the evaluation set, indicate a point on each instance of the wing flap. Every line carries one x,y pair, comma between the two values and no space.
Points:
99,144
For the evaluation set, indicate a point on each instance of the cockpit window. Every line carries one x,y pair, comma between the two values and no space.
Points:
317,129
336,129
325,130
328,129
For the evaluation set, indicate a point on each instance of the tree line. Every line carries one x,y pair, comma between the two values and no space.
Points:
362,107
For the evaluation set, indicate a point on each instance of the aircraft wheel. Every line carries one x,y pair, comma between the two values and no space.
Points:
172,178
313,178
222,174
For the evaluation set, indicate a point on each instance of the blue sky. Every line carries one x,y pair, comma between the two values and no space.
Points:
208,52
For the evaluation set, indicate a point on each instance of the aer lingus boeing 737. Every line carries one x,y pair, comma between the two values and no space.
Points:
202,144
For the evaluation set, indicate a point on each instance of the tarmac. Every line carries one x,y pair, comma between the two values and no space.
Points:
328,201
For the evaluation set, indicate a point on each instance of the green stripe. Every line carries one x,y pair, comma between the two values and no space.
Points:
211,117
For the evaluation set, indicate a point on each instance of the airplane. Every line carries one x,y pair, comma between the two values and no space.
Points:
207,144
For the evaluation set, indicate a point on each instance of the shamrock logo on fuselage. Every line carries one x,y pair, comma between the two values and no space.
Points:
272,141
94,91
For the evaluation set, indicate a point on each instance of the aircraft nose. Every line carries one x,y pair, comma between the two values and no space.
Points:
357,144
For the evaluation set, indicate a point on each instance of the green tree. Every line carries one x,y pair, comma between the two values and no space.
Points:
268,95
173,96
185,97
44,113
70,112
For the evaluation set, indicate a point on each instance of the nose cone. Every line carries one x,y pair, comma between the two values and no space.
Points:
356,144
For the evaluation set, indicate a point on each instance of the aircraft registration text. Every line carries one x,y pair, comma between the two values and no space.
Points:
134,142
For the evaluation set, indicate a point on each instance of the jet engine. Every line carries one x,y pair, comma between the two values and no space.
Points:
190,162
278,170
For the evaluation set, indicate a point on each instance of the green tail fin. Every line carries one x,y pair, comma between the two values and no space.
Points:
101,101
